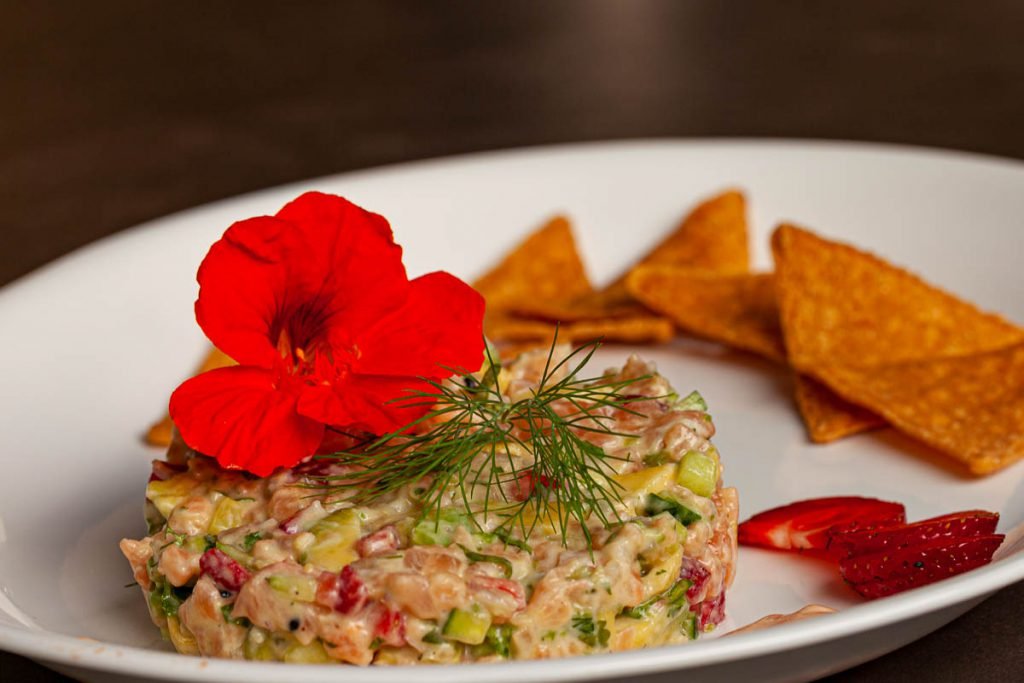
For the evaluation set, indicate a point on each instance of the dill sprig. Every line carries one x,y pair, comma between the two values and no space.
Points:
464,450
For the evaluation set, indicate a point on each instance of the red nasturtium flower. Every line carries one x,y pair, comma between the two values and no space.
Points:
315,305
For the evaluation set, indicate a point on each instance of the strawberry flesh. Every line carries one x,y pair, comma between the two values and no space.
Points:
806,525
956,525
878,574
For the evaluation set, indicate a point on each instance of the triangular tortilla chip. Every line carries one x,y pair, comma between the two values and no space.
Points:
546,266
828,417
741,311
503,328
712,237
842,306
161,433
969,407
737,310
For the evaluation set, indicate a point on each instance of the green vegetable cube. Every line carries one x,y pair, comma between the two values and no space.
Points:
698,472
467,626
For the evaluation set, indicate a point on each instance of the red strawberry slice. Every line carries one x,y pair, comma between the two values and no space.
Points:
956,525
806,525
892,571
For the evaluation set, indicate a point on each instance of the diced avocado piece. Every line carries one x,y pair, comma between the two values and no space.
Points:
467,626
692,401
228,514
169,493
314,653
657,504
437,530
296,587
590,631
336,536
698,472
648,480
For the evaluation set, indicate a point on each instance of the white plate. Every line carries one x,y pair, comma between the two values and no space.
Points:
93,344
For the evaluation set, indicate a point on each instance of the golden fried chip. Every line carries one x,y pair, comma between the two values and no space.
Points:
842,306
545,266
712,237
737,310
969,407
741,311
828,417
504,328
161,433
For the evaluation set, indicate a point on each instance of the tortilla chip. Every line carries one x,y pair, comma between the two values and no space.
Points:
842,306
161,433
828,417
970,408
545,266
712,237
504,329
737,310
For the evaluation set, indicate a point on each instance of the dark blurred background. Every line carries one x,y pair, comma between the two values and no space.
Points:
116,112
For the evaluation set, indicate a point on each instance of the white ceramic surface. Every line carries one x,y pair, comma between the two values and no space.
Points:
93,344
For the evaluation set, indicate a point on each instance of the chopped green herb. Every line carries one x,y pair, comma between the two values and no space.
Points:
657,458
376,643
657,504
250,540
505,537
674,596
591,632
474,557
225,610
433,637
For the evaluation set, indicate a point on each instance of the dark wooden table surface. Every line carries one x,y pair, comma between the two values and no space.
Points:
116,112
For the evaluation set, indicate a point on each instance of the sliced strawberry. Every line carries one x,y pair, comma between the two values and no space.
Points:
806,525
895,570
956,525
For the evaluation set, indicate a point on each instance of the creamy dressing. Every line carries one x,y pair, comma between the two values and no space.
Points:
278,569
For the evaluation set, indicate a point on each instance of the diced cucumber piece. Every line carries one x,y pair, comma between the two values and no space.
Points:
314,653
698,472
657,504
336,536
689,625
296,587
499,637
467,626
692,401
437,530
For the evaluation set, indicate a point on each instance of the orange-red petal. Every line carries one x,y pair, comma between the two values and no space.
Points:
241,417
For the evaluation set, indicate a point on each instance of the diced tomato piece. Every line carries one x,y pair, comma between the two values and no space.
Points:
490,583
890,571
225,572
711,612
384,540
390,627
528,481
956,525
806,525
343,592
697,574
